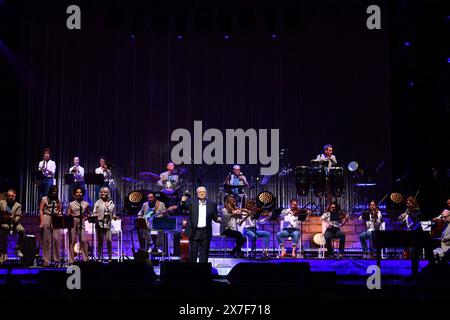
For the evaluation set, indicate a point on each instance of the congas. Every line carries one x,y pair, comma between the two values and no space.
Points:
303,180
318,180
337,182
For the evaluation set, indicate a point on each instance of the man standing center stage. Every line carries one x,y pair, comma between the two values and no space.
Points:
199,229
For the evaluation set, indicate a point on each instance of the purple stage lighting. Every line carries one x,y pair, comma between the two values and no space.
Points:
226,37
274,36
407,44
448,59
411,84
179,37
132,36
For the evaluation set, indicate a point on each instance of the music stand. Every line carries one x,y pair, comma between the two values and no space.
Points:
165,224
38,175
93,221
302,218
274,217
62,222
94,178
69,178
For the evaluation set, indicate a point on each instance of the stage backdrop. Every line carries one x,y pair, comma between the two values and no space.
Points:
120,86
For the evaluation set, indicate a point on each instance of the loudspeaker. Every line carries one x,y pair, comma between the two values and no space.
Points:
269,273
176,272
29,250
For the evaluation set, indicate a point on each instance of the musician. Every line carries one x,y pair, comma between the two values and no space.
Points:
291,227
231,215
105,211
446,210
234,183
79,210
252,231
50,206
150,209
445,238
78,176
199,228
328,156
169,177
169,181
104,169
376,218
411,217
48,169
14,209
332,221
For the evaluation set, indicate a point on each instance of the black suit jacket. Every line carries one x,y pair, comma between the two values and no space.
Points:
211,214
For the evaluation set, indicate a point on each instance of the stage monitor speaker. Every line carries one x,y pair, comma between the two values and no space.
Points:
29,250
269,273
176,272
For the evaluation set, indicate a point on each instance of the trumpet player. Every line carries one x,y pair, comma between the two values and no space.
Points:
105,211
105,170
291,227
48,168
373,224
411,217
78,176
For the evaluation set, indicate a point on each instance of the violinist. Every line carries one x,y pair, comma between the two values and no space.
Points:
411,217
333,219
291,227
443,230
231,215
373,224
251,230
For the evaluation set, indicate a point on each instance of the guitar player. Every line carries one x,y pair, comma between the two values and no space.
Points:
151,209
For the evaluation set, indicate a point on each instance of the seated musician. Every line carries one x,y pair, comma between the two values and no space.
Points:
332,221
411,217
231,215
376,218
444,219
50,206
251,227
150,209
291,227
78,209
234,183
13,210
445,238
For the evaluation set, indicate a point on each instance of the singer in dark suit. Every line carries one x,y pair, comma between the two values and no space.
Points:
199,229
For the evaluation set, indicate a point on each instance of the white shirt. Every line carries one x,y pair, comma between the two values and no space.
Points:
290,219
80,175
331,161
107,174
50,166
201,214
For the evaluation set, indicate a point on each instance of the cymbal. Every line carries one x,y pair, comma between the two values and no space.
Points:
148,176
131,180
